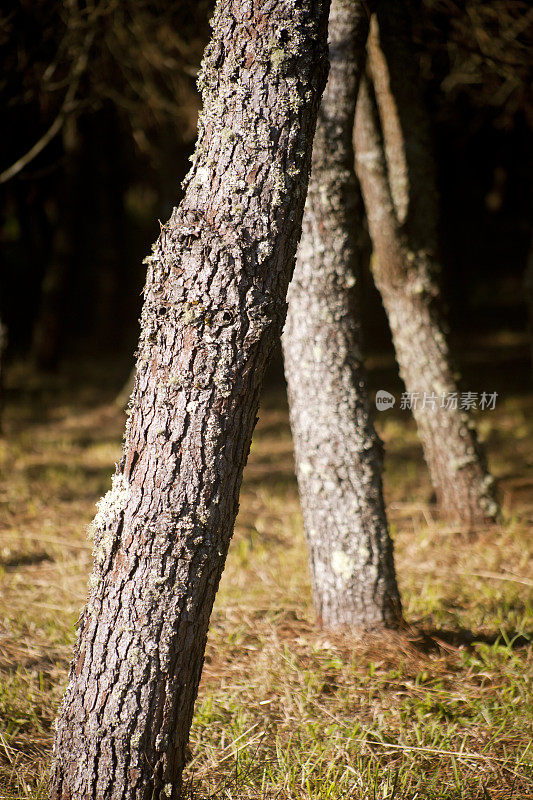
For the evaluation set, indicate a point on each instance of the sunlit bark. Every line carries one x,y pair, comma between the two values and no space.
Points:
214,307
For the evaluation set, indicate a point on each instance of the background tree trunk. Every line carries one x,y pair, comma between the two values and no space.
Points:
48,331
123,397
3,348
396,171
48,328
528,288
338,454
214,307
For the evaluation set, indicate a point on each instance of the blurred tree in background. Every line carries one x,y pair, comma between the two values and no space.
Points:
103,96
476,61
104,92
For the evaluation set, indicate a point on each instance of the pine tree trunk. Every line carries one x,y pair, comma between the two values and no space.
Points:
396,171
214,307
338,454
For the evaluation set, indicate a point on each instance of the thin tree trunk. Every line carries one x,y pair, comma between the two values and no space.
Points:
109,272
3,348
338,454
123,397
48,330
214,307
528,287
396,171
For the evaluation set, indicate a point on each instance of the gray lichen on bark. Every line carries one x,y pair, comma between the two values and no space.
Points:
338,454
214,306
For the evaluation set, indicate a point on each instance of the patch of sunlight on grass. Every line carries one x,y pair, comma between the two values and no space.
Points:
440,710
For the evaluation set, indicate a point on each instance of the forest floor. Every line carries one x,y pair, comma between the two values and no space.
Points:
286,710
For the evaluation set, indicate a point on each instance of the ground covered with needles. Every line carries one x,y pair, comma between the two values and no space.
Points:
286,710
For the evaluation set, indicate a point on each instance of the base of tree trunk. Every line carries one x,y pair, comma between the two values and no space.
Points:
338,454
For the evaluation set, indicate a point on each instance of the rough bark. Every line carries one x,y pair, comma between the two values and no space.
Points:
214,306
338,454
396,171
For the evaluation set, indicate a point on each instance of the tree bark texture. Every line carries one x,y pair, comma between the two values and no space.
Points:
396,171
214,306
338,454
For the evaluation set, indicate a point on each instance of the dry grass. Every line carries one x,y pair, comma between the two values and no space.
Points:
439,710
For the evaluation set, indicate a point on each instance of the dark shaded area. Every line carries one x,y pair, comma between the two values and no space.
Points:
24,560
436,639
77,221
116,82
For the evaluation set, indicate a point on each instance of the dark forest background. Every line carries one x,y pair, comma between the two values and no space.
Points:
108,87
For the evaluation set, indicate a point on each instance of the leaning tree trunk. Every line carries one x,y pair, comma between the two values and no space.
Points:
214,307
396,171
338,454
